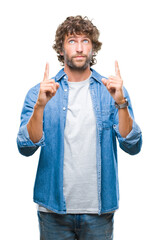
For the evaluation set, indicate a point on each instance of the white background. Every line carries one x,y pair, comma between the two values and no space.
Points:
129,32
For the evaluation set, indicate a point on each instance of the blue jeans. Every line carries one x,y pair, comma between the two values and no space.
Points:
75,226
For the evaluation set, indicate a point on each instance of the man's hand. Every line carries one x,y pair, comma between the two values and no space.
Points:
48,88
114,84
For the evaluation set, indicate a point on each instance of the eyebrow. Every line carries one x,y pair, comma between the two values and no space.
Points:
74,36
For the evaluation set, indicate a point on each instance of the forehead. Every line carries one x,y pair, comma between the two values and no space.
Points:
78,36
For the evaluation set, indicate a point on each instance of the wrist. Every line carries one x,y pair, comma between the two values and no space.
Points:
39,106
121,101
122,104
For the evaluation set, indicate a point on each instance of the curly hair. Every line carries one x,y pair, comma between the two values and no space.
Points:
76,25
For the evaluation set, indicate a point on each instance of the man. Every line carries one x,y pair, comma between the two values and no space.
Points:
76,118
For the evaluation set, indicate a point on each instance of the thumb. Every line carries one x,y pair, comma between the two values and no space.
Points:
57,85
104,81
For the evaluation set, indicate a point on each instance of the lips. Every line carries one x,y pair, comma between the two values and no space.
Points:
79,57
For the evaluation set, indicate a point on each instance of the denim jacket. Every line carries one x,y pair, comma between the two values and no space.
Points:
48,188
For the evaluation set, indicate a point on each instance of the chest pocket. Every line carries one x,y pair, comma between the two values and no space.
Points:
107,115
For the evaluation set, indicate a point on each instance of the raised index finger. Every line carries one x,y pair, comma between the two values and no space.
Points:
117,71
46,73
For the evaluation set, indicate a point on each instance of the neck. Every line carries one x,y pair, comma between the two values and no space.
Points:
77,75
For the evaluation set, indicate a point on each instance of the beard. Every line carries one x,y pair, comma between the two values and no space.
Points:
78,65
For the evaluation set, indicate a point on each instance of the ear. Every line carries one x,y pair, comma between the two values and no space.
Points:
94,53
61,53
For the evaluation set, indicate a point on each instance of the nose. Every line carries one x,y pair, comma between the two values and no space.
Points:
79,47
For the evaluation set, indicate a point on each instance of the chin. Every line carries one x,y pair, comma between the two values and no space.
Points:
82,66
79,67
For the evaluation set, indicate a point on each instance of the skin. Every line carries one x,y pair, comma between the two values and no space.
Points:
77,56
77,52
48,88
114,84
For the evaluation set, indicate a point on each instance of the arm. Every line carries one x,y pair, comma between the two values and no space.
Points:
114,84
127,131
132,143
125,122
48,88
35,124
30,135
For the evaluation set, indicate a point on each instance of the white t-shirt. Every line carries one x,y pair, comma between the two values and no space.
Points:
80,171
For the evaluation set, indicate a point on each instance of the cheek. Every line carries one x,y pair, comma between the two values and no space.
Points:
88,49
70,50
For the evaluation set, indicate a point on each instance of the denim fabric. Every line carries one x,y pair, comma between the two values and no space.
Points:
76,226
48,188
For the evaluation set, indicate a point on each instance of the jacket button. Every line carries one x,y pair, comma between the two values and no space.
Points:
64,108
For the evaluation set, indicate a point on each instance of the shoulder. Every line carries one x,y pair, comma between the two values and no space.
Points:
34,89
98,77
32,93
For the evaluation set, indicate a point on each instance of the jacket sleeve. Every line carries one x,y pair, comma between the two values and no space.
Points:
133,141
25,146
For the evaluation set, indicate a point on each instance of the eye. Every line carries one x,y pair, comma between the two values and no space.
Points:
71,41
85,41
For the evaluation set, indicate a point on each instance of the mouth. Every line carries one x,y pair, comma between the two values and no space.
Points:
80,57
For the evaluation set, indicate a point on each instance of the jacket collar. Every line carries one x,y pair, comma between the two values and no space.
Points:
94,75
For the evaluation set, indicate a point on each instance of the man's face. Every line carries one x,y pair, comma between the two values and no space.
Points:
77,51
